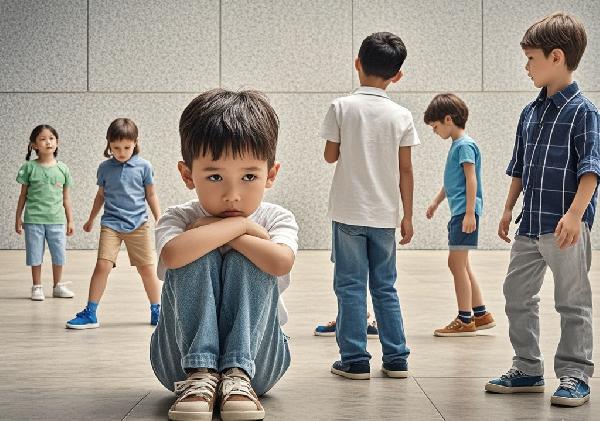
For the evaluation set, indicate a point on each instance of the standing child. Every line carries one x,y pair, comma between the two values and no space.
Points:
556,164
45,195
370,137
447,114
125,184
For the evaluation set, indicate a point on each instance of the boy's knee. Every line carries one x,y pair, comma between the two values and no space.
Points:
204,264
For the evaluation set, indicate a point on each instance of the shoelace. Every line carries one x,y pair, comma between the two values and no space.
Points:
201,384
569,383
513,372
233,383
84,313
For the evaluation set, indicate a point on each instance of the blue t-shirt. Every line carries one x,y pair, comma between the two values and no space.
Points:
463,150
124,192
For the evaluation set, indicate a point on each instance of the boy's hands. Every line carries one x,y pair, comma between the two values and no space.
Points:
469,223
504,225
431,210
19,226
200,222
255,230
70,229
406,230
87,227
568,230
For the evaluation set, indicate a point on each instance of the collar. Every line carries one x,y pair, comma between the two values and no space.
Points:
369,90
130,162
562,97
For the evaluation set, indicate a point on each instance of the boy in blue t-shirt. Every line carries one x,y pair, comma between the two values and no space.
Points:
447,114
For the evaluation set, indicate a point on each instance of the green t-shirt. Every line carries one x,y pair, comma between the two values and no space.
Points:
44,204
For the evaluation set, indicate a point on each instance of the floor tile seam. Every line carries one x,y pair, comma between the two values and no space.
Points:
134,406
428,398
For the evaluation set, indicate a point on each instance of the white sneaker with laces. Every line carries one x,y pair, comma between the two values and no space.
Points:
238,399
195,397
60,290
37,293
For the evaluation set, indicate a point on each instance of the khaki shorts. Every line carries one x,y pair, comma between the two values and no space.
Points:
138,243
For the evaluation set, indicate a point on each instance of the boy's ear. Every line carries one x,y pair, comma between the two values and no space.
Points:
357,64
448,120
397,77
558,56
272,174
186,174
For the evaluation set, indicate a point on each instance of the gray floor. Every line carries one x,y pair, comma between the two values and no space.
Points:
50,373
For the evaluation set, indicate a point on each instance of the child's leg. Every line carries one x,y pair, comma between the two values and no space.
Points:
573,300
477,297
457,262
57,244
521,287
187,335
99,279
350,276
34,250
36,274
142,256
249,331
381,246
151,282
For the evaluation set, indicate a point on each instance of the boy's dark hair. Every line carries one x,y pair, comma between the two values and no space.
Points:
558,30
221,121
121,129
382,54
34,134
447,104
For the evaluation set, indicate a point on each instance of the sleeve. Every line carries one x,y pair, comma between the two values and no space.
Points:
68,177
148,175
23,174
100,176
330,128
170,225
466,154
410,136
515,166
284,229
587,143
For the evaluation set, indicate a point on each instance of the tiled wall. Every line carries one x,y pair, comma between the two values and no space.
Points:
79,64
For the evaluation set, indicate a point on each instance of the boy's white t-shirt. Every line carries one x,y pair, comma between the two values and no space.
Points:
370,128
278,221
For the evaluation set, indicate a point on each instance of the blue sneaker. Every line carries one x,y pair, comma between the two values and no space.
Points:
397,369
515,381
571,392
354,371
84,320
154,314
329,330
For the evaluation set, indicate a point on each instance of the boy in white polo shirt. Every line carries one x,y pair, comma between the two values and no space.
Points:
370,137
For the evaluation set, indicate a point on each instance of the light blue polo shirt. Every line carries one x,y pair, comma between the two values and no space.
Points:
124,192
463,150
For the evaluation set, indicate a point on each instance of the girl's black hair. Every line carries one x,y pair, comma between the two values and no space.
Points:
34,134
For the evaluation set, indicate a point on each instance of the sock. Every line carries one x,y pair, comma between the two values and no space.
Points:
464,316
92,306
479,311
155,307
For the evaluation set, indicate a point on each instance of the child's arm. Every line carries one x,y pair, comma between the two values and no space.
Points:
516,186
437,200
569,226
68,210
20,206
152,199
272,258
332,151
406,193
98,203
469,222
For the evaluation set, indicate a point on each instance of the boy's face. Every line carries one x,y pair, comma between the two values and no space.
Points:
122,149
541,69
229,186
443,128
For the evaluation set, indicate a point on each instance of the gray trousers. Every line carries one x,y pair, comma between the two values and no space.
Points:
529,259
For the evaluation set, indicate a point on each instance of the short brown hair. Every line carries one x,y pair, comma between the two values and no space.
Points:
558,31
121,129
221,121
447,104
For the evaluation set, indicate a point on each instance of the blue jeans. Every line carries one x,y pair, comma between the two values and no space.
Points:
220,312
36,235
361,255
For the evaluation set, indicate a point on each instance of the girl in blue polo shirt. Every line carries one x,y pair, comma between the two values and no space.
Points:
125,184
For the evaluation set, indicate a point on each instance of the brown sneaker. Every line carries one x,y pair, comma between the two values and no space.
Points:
484,322
457,328
195,397
238,399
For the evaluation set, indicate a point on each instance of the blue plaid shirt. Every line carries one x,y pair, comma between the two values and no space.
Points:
557,141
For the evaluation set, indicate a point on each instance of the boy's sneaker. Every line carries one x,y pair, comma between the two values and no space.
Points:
37,293
238,399
85,319
353,371
457,328
195,397
484,322
397,370
60,290
571,392
154,314
329,329
515,381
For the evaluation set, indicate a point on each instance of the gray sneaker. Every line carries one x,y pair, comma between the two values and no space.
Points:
60,290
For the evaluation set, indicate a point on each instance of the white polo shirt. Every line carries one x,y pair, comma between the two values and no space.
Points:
371,128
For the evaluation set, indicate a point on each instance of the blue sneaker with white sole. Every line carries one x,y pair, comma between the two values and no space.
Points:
85,319
397,369
515,381
353,371
571,392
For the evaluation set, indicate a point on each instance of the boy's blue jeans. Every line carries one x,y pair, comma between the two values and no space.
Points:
365,254
220,312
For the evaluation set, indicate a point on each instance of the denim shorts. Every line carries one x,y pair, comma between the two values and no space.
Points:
36,236
459,240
